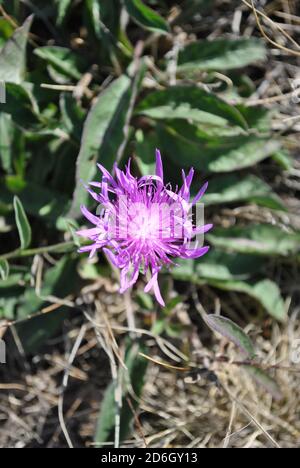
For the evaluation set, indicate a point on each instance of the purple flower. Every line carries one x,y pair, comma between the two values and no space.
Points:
142,224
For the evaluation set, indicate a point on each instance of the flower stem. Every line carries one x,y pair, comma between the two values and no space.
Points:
56,248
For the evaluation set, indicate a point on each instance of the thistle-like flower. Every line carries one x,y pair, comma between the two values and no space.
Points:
142,224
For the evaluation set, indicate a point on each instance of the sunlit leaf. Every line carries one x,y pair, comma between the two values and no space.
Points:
263,239
23,225
232,332
220,54
266,292
63,59
12,55
233,188
186,145
4,269
146,17
190,103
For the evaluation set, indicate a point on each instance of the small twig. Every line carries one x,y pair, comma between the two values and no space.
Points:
229,430
250,416
69,88
258,13
270,100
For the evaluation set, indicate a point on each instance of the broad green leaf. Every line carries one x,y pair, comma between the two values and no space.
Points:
23,225
146,17
262,239
232,332
190,103
256,117
265,381
102,136
187,146
13,55
4,269
132,380
220,54
63,59
217,264
229,272
232,188
266,292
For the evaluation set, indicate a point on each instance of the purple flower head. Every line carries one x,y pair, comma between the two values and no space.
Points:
142,224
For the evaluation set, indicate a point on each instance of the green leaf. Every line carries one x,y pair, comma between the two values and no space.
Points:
265,381
187,146
232,188
59,281
63,7
256,117
20,105
6,141
283,159
266,292
132,381
220,54
13,55
232,332
144,300
40,201
63,60
22,224
217,264
94,8
190,103
4,269
72,115
229,272
103,134
262,239
146,17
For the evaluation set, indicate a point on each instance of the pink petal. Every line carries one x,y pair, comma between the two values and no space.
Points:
92,218
200,193
159,165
